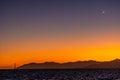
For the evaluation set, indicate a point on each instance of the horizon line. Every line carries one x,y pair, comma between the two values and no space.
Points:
59,62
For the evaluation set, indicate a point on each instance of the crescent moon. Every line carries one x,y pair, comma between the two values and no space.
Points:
103,12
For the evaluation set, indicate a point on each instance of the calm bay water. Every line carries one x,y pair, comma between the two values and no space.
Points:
60,74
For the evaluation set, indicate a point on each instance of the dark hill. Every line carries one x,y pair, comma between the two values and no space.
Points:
71,65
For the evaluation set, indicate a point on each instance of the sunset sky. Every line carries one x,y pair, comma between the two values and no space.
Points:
58,30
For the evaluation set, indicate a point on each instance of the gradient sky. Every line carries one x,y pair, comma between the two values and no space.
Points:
58,30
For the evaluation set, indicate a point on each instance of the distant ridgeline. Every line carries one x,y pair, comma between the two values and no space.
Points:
73,65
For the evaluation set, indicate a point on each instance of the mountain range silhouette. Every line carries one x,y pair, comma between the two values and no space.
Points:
91,64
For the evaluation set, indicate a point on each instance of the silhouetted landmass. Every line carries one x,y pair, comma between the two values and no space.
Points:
73,65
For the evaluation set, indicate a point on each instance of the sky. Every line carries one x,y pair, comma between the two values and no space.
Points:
58,30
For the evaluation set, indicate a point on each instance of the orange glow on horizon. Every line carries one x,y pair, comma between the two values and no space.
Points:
60,49
61,56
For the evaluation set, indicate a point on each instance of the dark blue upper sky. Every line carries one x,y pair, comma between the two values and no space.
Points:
41,17
59,18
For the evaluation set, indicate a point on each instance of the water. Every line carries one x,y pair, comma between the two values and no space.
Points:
61,74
